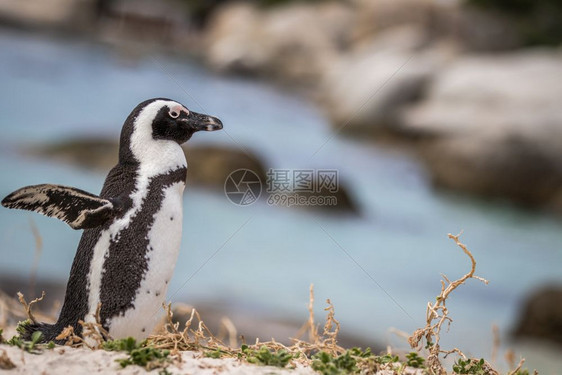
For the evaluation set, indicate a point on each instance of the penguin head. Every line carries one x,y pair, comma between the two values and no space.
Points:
174,122
157,122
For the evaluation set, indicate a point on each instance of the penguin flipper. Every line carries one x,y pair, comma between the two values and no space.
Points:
78,208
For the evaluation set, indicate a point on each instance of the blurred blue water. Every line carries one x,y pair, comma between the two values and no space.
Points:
56,89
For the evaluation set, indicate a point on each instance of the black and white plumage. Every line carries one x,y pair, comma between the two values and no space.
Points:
77,208
132,230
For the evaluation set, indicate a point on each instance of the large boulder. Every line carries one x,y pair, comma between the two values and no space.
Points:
211,165
541,315
492,125
486,94
294,42
57,14
470,27
364,90
372,17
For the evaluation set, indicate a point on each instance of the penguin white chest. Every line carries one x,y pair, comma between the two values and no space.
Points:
164,238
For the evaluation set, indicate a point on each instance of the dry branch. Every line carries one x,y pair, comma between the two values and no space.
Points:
27,306
437,315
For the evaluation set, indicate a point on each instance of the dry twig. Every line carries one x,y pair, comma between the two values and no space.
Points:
27,306
513,372
437,315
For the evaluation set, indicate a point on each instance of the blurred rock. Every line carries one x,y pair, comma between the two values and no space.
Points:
541,315
211,165
366,88
470,27
478,30
90,153
294,42
137,28
493,94
502,167
533,22
322,200
297,42
492,125
372,17
61,14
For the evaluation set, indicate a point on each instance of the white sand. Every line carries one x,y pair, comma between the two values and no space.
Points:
63,360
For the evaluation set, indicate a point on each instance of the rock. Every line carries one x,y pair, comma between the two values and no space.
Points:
372,17
492,125
293,42
365,89
61,14
493,94
340,201
478,30
90,153
503,167
470,27
211,165
300,42
541,315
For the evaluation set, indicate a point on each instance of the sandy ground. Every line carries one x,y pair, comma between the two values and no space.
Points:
64,360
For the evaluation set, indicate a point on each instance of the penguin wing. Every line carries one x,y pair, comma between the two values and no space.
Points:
79,209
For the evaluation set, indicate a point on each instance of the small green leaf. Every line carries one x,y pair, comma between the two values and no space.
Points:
35,337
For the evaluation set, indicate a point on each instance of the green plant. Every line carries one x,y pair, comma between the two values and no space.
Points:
35,338
29,346
15,341
327,364
147,357
414,360
139,353
123,345
264,356
21,328
469,366
357,352
214,353
387,358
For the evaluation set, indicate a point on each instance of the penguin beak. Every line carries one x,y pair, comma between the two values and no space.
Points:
204,122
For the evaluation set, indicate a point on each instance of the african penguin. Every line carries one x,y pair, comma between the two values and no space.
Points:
132,230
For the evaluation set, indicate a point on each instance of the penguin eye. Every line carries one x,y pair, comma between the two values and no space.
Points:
174,114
